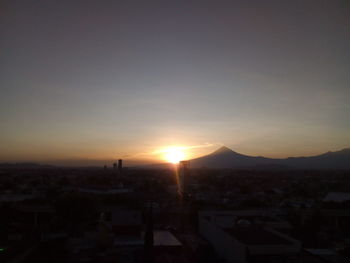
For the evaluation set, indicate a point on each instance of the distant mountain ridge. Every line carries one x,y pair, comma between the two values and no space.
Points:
224,157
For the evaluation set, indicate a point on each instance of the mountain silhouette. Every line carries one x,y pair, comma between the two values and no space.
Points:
224,157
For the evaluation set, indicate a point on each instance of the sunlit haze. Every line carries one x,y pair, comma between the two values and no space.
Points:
89,82
174,155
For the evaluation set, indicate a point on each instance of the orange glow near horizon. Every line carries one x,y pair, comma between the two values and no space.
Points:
174,155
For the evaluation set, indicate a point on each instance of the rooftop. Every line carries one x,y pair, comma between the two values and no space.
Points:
165,238
256,236
337,197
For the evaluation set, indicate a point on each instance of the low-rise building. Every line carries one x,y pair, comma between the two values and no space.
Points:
243,241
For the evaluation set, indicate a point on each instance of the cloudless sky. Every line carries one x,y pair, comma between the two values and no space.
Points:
121,79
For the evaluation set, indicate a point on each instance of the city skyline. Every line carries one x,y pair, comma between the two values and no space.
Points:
95,80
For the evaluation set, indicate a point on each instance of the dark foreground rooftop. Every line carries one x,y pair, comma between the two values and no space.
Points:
256,236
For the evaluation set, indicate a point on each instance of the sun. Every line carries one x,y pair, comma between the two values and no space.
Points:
174,155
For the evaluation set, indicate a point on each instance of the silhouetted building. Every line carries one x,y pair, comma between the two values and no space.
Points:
120,165
183,174
120,227
149,239
246,242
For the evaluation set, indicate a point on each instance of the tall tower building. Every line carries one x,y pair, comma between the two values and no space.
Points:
183,173
120,165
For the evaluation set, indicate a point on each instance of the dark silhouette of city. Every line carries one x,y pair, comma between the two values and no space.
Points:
175,213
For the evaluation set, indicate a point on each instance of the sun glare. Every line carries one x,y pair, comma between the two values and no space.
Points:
174,155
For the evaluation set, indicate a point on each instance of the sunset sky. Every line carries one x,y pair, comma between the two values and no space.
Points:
100,80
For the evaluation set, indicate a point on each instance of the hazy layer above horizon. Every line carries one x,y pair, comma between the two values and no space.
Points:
101,80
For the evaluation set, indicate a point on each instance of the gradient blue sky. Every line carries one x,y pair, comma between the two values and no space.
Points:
108,79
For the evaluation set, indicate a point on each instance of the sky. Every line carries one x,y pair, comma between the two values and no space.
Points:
100,80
